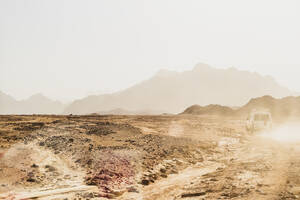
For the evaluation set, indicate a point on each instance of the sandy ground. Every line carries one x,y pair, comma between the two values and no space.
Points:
145,157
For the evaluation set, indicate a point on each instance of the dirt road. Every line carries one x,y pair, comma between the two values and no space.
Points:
255,168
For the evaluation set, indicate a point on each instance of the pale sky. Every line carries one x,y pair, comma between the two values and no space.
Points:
69,49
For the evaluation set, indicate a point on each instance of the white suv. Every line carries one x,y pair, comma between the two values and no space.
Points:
259,121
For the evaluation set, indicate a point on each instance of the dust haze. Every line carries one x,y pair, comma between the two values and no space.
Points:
286,133
149,100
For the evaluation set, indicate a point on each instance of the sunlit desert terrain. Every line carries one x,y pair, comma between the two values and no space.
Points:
145,157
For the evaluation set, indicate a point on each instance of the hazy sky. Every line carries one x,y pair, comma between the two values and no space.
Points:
68,49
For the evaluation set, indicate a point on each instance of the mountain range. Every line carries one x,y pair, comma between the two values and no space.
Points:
166,92
172,92
36,104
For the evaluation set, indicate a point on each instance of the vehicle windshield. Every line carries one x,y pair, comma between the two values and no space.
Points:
261,117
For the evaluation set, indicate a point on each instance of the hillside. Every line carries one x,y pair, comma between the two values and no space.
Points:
36,104
209,110
172,92
284,108
281,109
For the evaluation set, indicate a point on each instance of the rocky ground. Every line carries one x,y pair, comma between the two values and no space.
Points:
142,157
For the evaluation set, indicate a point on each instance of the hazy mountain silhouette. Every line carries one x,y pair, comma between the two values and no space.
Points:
36,104
172,92
7,104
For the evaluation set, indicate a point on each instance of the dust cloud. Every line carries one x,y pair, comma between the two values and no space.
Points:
288,133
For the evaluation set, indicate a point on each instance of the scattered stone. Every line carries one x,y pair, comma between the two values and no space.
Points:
30,179
34,165
88,195
234,195
67,177
50,168
193,194
225,194
164,175
145,182
163,170
118,193
132,189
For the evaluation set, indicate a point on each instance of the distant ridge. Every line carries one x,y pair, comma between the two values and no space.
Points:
172,92
36,104
166,92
